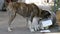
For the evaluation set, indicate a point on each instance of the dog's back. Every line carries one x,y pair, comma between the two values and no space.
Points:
23,9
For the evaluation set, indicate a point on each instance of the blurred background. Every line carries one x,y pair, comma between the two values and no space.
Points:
20,28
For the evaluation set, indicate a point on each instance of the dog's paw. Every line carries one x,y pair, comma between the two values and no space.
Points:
10,29
32,30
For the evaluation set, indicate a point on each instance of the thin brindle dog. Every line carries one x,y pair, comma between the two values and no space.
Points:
28,11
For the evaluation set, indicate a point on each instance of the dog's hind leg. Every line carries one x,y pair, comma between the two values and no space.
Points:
27,22
12,15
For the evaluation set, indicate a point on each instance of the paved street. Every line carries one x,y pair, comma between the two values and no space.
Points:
19,25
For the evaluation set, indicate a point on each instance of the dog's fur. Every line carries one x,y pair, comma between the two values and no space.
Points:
28,11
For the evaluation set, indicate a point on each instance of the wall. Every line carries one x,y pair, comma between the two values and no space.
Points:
1,4
21,0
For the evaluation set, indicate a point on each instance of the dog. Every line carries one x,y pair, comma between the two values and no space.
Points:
28,11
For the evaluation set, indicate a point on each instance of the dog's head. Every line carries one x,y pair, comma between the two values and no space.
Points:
45,14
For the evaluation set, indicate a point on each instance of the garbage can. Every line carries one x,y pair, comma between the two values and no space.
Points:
53,17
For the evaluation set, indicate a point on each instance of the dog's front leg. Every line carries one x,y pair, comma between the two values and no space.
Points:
27,22
30,26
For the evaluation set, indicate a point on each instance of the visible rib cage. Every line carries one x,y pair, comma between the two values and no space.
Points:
24,9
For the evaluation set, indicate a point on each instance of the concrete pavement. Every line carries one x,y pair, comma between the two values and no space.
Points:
19,25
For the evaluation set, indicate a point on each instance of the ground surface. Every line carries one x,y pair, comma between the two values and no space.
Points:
19,25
